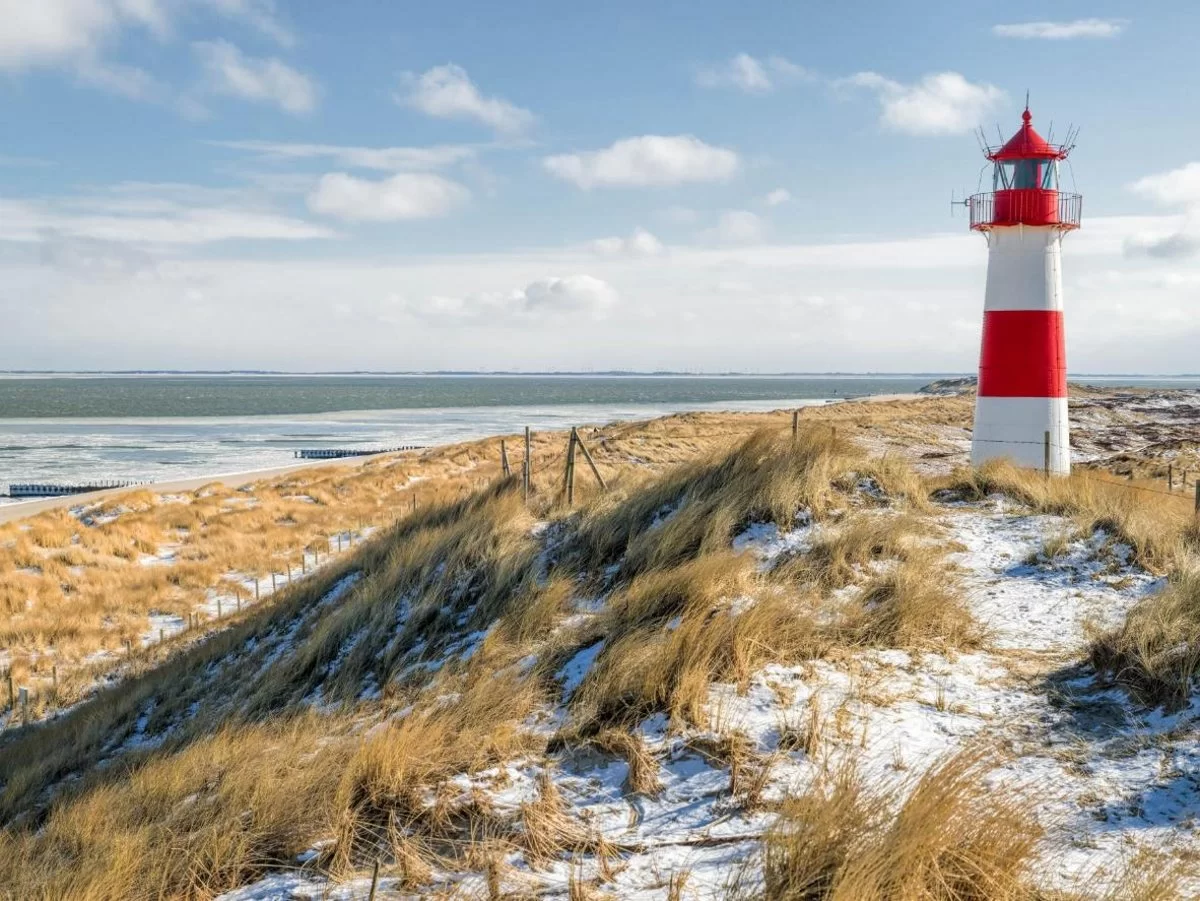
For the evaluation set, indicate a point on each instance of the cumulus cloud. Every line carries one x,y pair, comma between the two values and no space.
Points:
261,80
384,159
1176,187
778,196
572,295
408,195
649,160
938,104
48,32
639,243
749,74
1061,31
447,92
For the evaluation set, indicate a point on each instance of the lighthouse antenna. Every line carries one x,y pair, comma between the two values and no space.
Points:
1050,134
979,181
1027,100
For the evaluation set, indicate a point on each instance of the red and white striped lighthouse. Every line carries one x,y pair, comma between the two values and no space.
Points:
1023,363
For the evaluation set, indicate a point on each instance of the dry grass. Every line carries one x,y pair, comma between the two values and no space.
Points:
953,838
1156,651
1159,527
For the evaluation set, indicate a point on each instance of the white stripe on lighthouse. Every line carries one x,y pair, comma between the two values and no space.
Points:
1024,273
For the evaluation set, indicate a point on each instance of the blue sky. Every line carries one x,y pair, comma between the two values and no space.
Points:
248,183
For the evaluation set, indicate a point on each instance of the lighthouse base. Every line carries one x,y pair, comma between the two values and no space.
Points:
1015,428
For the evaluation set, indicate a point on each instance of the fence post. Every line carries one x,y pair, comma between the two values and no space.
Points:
218,606
526,469
504,467
570,475
795,424
12,691
374,880
592,463
1170,477
256,588
1046,454
273,583
24,696
1198,498
54,680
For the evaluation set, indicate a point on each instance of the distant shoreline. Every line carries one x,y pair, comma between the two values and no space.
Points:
506,373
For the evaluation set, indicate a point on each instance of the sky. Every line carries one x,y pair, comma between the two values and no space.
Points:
690,186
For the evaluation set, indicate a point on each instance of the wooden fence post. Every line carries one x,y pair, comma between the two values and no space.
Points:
23,693
1170,477
218,606
592,463
12,691
526,469
1198,499
504,467
54,680
570,474
374,880
1046,454
256,588
795,424
273,583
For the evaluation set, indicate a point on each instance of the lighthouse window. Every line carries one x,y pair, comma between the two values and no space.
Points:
1050,176
1026,174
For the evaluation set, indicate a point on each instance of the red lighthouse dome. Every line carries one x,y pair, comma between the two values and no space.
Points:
1025,185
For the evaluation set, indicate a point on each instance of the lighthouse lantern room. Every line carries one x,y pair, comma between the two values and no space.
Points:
1021,406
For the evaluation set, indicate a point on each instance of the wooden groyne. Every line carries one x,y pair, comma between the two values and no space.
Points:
48,489
335,453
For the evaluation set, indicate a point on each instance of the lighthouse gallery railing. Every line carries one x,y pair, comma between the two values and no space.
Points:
1025,206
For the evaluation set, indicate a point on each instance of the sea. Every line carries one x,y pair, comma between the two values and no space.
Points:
85,428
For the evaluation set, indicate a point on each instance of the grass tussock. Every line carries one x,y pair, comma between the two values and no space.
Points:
1156,651
954,838
1159,528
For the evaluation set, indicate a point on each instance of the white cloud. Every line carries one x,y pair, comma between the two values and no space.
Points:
938,104
127,81
738,227
649,160
259,14
1062,31
409,195
446,92
49,32
263,80
572,295
1177,187
778,196
147,215
384,159
754,76
639,243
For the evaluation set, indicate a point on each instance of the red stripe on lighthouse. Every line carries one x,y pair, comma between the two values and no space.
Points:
1023,354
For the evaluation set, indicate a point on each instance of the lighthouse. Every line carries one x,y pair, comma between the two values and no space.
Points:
1021,406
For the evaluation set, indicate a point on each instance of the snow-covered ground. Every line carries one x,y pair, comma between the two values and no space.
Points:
1107,778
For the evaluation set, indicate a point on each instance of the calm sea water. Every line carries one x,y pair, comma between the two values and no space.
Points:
71,429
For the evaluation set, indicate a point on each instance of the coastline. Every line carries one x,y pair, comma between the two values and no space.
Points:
10,512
